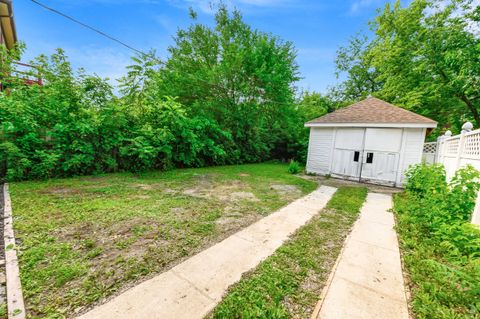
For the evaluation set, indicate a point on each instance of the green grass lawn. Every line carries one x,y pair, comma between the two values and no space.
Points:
82,239
288,283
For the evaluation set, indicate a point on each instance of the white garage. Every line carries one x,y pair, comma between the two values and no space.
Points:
369,141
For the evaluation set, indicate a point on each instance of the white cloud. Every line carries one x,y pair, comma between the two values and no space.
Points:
165,22
206,6
82,2
472,26
265,3
209,6
358,5
106,62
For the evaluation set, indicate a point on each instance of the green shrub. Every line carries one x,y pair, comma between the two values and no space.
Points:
425,180
75,125
294,167
441,249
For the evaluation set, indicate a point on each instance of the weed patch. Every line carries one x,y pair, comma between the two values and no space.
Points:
440,248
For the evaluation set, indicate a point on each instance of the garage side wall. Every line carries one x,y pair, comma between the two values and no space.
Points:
412,149
320,148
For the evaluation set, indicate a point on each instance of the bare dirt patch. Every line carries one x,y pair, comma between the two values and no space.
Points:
140,196
178,210
96,235
204,179
62,191
236,196
80,231
233,198
286,190
169,191
95,178
195,192
144,187
231,223
231,191
239,196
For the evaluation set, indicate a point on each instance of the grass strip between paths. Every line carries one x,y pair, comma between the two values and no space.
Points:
288,283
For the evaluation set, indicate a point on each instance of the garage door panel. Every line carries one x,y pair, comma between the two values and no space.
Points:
382,166
344,163
383,139
349,138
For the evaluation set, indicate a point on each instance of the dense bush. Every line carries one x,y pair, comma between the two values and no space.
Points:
441,249
224,96
74,125
294,167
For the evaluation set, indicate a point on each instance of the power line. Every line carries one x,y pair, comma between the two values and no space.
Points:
126,45
86,26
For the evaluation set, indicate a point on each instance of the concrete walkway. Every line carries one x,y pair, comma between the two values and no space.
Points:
193,288
367,281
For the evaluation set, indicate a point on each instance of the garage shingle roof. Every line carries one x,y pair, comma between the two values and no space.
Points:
373,111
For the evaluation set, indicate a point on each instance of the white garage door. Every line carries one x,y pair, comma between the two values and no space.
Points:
370,154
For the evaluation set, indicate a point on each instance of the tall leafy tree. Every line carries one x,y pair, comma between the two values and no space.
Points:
225,95
237,76
313,104
355,60
309,105
425,57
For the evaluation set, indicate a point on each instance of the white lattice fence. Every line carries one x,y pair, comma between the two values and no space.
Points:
451,146
430,147
429,152
457,151
471,148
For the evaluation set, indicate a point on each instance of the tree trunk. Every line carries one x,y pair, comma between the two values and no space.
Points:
472,109
464,99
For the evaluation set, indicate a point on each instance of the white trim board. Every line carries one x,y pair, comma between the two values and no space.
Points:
400,125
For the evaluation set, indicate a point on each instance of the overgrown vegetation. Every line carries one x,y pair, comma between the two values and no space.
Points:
82,239
225,95
422,56
288,283
440,248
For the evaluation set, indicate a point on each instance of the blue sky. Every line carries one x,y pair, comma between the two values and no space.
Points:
317,29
